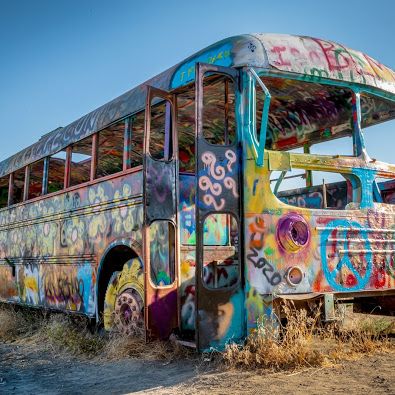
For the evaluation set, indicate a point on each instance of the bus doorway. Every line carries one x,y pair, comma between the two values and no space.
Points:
160,215
219,284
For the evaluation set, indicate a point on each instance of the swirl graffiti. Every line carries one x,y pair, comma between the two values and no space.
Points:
218,177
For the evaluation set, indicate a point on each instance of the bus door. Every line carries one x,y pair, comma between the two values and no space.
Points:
219,283
160,215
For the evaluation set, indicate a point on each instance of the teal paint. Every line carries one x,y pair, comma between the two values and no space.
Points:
367,177
219,56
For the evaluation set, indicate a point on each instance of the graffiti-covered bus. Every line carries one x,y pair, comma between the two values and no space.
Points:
167,209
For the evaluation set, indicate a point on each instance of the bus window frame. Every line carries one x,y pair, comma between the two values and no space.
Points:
66,178
239,253
236,140
169,138
354,88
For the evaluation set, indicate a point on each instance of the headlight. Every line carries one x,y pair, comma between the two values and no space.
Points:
293,232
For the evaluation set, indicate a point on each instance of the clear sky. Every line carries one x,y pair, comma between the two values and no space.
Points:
61,59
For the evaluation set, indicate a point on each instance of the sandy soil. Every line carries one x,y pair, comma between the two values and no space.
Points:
26,370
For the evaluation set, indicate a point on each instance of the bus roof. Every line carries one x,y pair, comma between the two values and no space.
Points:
316,59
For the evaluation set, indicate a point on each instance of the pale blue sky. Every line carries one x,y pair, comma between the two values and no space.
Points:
61,59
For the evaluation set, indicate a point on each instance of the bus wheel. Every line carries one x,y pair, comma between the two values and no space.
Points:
128,312
123,303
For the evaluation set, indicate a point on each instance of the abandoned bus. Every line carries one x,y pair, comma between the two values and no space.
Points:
167,208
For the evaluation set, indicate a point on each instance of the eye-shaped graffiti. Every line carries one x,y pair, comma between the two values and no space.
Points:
346,255
217,178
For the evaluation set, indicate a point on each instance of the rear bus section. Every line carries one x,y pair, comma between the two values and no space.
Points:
318,226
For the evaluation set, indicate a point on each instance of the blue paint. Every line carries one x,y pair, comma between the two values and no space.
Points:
220,56
331,275
236,329
265,116
367,177
85,280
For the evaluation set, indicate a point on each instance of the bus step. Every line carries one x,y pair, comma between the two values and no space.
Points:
185,343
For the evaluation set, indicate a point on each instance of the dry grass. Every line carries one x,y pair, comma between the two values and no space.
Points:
122,346
16,323
303,342
72,335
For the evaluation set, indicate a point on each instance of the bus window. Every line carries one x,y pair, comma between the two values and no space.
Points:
341,146
378,123
4,181
36,179
137,143
160,146
162,253
220,256
56,171
110,150
302,112
186,131
327,190
219,121
384,190
259,102
18,187
81,159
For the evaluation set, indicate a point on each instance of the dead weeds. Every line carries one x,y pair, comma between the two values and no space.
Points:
302,342
72,335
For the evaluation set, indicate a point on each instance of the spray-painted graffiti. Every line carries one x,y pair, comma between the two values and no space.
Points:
255,251
68,287
63,226
161,254
216,178
336,196
344,266
187,288
323,58
28,282
187,209
49,248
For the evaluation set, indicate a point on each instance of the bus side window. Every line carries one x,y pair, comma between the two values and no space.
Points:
56,171
81,159
18,186
219,121
4,181
220,251
110,150
160,142
162,253
137,143
36,179
186,130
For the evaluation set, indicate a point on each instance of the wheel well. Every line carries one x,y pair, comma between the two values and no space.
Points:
112,262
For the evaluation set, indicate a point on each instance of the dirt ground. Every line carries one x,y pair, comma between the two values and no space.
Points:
26,370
